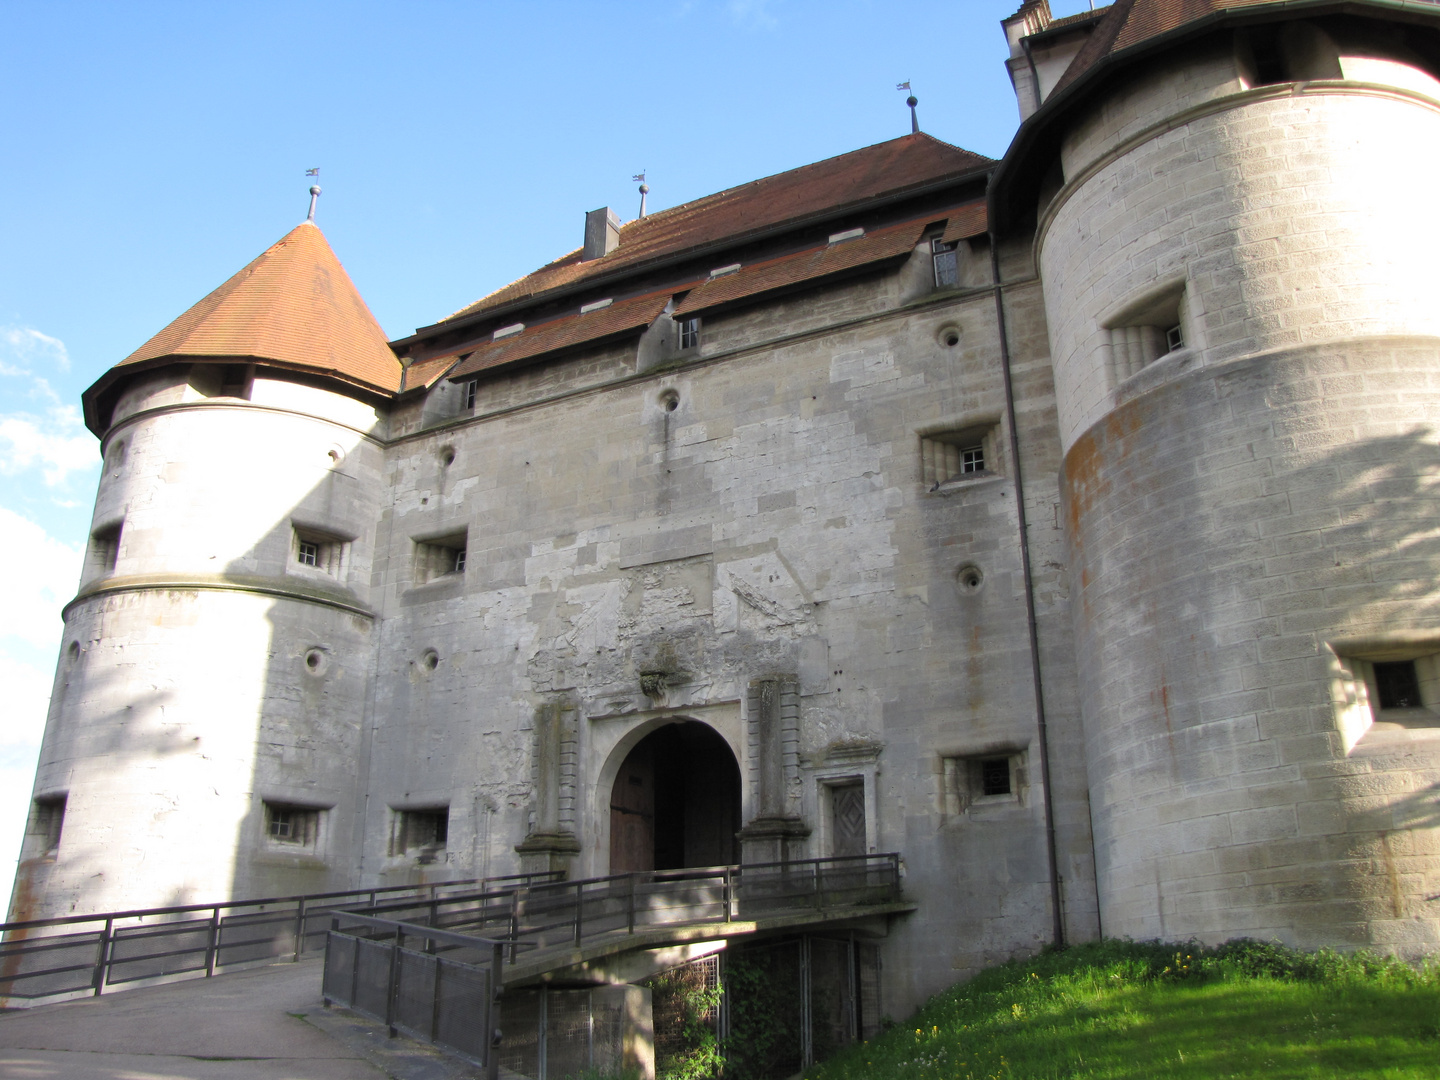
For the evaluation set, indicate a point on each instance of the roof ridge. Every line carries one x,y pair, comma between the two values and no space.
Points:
786,172
757,207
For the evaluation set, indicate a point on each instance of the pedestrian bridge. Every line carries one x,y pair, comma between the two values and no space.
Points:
439,962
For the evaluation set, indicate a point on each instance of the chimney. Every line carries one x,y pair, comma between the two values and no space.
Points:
602,233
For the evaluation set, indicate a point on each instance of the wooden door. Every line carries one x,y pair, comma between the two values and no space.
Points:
847,819
632,813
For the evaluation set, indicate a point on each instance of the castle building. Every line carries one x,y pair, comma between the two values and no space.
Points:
1066,524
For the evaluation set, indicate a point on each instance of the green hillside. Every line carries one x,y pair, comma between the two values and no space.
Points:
1124,1009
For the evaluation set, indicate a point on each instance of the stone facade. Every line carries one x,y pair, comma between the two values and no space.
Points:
330,636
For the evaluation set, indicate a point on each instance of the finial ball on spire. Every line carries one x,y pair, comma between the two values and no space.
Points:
912,101
644,189
314,189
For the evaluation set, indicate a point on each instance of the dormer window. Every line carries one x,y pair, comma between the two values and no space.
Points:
309,553
690,333
468,393
947,263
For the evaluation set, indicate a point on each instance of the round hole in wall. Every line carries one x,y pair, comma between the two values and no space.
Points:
447,456
315,661
670,400
949,336
969,579
429,660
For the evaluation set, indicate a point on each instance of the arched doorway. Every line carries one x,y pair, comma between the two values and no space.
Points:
675,802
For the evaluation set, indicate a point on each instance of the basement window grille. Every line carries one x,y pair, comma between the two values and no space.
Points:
1398,685
981,780
994,776
422,833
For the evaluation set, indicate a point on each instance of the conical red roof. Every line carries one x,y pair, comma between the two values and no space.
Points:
294,306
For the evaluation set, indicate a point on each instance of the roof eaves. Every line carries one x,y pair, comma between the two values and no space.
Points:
90,397
598,281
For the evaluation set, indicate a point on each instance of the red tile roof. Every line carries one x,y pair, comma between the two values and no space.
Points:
1077,19
892,242
623,317
427,372
888,168
293,305
966,221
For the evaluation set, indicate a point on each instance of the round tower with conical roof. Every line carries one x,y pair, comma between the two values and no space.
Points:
1236,242
207,715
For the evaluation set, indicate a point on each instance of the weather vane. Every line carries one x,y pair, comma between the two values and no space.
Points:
644,189
314,192
912,101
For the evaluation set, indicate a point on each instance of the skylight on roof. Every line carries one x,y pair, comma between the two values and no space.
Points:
596,305
848,234
721,271
507,331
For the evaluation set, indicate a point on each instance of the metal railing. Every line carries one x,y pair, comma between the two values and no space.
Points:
568,913
433,985
49,959
443,990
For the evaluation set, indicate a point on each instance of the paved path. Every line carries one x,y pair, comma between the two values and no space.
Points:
265,1024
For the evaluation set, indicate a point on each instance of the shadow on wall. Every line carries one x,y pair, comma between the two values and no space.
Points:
130,735
1227,531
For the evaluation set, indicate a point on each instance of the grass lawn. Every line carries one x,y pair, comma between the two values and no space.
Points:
1126,1009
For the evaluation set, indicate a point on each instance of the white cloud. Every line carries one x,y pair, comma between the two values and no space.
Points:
56,444
753,13
44,578
27,698
48,435
27,348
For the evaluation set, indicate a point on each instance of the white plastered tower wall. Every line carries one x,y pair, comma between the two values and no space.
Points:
207,672
1251,512
208,710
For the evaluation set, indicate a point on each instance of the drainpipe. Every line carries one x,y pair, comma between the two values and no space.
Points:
1058,929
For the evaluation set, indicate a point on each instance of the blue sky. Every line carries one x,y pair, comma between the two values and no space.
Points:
155,148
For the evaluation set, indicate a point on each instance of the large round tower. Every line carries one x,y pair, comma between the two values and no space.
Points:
207,712
1236,236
